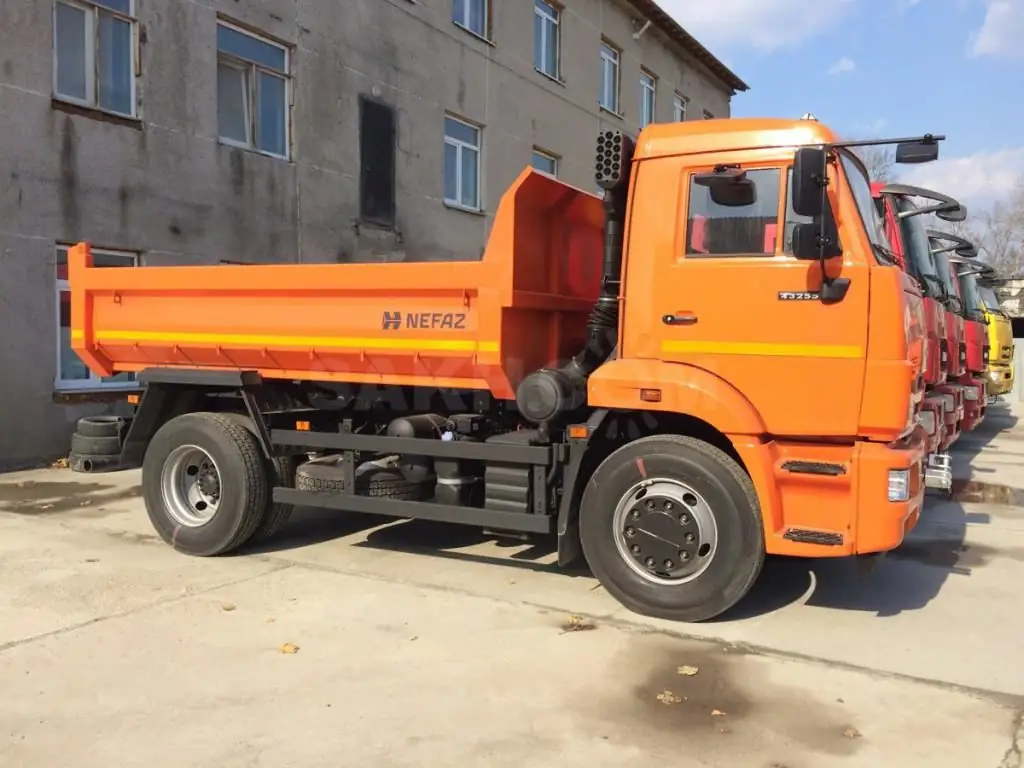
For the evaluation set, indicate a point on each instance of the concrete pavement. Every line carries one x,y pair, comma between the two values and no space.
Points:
424,644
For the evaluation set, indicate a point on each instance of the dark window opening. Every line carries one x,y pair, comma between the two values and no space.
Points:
377,162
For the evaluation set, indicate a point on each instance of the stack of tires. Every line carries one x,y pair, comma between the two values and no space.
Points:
96,444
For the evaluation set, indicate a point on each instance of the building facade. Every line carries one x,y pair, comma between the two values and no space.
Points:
198,131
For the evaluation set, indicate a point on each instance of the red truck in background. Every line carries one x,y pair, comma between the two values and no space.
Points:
952,254
942,410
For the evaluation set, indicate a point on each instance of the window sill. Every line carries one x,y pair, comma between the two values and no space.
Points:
251,150
612,112
479,37
553,78
95,113
464,209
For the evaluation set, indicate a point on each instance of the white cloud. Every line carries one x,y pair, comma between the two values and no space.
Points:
977,180
1002,30
764,25
845,64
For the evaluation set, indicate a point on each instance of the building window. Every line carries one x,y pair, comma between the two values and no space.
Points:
94,54
648,91
72,373
609,96
679,104
707,115
376,162
544,162
461,164
252,91
546,38
715,229
473,15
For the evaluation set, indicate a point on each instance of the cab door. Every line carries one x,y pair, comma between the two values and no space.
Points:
724,294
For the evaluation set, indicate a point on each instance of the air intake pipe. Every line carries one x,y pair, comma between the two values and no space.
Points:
549,392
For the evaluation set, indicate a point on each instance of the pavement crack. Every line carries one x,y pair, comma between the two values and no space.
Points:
1013,757
138,609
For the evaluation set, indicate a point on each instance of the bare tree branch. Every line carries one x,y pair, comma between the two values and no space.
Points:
879,161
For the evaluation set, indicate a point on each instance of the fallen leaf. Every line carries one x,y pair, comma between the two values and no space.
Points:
717,713
688,670
577,623
92,559
668,698
61,463
271,620
851,733
228,607
289,648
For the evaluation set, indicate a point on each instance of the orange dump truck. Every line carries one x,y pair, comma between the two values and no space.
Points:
717,361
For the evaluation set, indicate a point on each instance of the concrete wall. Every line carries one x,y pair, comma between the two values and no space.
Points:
165,186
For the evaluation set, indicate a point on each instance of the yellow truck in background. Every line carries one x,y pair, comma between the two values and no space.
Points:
1000,337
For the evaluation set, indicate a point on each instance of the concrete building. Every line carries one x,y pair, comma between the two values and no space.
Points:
192,131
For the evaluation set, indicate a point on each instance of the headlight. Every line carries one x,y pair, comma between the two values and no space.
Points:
984,355
949,403
927,420
970,393
899,484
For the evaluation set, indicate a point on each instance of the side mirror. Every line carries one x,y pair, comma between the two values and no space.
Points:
912,152
808,239
953,214
808,180
728,187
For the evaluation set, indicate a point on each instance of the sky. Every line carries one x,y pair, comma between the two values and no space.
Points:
885,68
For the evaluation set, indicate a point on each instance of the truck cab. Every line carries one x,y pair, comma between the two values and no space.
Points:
942,409
951,252
999,373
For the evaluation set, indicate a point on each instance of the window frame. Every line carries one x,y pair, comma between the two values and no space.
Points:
609,52
459,145
551,16
94,10
680,105
93,383
389,220
543,153
252,70
648,86
485,11
780,215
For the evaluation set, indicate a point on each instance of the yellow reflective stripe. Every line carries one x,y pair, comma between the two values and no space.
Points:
77,334
315,342
761,349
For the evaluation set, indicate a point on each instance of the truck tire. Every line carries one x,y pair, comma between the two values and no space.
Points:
280,472
99,426
671,527
372,479
95,446
205,485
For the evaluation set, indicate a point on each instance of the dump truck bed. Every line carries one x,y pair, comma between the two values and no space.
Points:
476,324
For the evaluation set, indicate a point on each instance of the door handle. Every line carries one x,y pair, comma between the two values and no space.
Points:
679,318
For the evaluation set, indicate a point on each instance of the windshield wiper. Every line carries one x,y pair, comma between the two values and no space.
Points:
884,253
934,280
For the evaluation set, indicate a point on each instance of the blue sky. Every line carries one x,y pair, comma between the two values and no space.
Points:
871,68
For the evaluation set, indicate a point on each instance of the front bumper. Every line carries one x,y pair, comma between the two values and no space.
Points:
932,421
975,402
952,396
887,511
999,378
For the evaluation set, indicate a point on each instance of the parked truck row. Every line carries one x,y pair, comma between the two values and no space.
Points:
745,348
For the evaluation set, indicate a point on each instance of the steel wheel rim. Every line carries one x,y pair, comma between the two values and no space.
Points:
191,486
659,520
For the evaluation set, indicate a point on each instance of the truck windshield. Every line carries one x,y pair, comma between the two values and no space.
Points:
991,301
861,189
918,248
972,299
945,275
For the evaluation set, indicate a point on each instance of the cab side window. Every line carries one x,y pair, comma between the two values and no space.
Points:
747,230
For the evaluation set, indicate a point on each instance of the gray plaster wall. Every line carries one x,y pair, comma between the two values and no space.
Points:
165,186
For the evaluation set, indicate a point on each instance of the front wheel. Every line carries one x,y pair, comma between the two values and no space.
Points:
205,484
671,526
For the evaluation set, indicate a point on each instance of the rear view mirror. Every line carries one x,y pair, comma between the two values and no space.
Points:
912,152
953,214
728,186
808,181
806,243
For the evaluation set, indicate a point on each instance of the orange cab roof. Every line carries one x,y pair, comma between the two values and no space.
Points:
697,136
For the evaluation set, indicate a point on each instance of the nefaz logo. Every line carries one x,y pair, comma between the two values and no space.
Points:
799,295
393,321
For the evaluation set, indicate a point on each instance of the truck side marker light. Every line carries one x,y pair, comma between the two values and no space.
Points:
133,399
302,426
579,432
650,395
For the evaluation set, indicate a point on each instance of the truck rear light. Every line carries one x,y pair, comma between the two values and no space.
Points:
899,484
927,420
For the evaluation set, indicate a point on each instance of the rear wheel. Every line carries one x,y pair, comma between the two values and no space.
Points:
205,483
671,526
